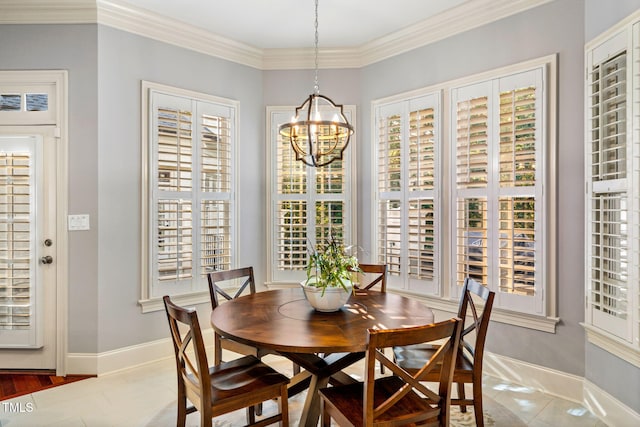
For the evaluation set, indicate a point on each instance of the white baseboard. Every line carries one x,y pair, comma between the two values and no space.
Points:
607,408
547,380
119,359
570,387
124,358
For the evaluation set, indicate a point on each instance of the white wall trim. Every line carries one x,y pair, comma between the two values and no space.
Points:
607,408
124,358
469,15
566,386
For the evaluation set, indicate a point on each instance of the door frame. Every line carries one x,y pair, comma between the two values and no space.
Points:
59,121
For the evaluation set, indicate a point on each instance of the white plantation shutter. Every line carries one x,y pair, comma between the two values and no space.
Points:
408,181
191,180
499,172
612,172
20,284
308,205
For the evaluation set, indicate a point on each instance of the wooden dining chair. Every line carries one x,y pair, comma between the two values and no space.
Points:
400,398
468,368
223,388
247,285
372,275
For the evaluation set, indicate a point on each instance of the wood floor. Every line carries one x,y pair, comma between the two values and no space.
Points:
18,383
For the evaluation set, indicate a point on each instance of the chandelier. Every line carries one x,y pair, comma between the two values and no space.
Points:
319,132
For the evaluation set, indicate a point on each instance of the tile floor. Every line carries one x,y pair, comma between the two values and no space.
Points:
145,397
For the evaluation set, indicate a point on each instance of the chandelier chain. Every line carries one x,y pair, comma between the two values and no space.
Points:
316,86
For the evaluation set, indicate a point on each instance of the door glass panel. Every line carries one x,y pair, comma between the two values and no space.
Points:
17,248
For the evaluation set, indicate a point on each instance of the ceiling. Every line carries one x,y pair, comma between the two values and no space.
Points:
270,24
278,34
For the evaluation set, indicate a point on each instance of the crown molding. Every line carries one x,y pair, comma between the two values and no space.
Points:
157,27
469,15
48,12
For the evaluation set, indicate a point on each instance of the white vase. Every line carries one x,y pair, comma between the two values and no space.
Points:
333,299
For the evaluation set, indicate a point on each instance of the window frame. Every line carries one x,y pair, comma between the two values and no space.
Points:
274,117
447,300
615,335
151,293
405,106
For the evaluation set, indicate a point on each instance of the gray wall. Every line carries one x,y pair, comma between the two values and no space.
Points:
124,60
72,48
620,378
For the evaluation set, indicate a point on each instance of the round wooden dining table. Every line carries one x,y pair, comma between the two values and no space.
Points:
322,343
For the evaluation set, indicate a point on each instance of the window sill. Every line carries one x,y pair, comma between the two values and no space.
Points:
529,321
183,300
613,345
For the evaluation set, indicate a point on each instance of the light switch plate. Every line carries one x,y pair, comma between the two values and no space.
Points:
78,222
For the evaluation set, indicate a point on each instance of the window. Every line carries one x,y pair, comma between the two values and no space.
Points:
612,154
189,200
408,178
307,204
499,224
469,201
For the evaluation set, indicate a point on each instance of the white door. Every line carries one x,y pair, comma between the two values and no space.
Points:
27,247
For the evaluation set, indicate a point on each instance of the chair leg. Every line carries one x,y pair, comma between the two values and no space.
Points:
461,396
283,406
477,402
206,417
296,369
251,415
325,418
258,409
182,407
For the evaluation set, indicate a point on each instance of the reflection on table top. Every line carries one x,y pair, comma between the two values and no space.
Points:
283,320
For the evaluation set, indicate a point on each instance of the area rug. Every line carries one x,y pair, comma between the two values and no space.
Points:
495,415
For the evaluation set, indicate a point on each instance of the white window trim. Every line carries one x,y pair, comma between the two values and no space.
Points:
147,302
628,351
448,302
271,138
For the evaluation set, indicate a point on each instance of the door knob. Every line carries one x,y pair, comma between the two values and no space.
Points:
46,259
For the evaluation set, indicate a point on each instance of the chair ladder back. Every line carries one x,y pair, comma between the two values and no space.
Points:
480,322
216,277
193,372
380,339
380,270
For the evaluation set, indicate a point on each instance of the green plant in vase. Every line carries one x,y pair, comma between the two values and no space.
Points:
331,265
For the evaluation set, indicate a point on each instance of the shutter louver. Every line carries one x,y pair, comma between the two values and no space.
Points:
390,235
16,282
517,137
472,143
174,150
421,150
329,221
291,243
389,154
174,240
609,251
421,239
608,119
516,243
215,154
215,247
472,255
